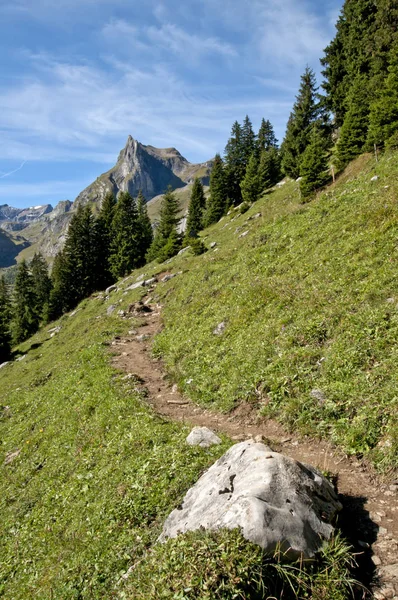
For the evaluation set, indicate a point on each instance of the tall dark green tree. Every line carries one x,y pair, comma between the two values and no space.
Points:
197,205
306,111
58,302
217,201
383,117
269,170
314,164
248,140
124,256
105,233
41,283
235,161
5,322
266,137
250,184
26,319
145,231
166,232
356,122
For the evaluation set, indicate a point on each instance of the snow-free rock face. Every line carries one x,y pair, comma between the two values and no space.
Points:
144,168
275,501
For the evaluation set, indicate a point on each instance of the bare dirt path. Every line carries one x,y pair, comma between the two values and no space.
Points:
370,515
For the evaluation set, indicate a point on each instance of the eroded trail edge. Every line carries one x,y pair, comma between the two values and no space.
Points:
370,516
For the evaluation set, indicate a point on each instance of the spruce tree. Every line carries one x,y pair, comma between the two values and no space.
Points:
248,140
235,164
105,232
306,111
196,209
166,232
314,164
5,322
26,319
58,302
269,171
124,256
145,231
217,201
41,283
251,183
354,130
266,137
383,117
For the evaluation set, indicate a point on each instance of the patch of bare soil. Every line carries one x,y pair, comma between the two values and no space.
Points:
370,515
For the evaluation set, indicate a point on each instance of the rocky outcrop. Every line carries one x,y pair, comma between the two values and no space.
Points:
144,168
276,501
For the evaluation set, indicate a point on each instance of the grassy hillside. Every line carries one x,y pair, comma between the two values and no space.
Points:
309,298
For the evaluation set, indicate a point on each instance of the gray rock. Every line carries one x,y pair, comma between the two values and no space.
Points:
121,313
390,571
55,331
244,234
4,364
150,281
11,456
203,437
184,250
213,245
375,178
318,395
20,358
168,277
135,286
110,309
219,330
275,500
111,288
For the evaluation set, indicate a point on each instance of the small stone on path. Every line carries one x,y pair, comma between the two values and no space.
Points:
203,437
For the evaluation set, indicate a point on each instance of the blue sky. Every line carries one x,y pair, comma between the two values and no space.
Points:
78,76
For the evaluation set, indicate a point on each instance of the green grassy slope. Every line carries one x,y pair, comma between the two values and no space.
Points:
309,298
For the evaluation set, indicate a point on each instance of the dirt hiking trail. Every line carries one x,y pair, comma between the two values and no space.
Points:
370,515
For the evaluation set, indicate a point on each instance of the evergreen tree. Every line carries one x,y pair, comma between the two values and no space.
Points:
145,231
356,121
269,172
58,303
248,140
5,318
166,232
41,284
235,164
306,112
26,319
314,164
266,137
196,209
217,201
383,117
105,233
251,183
124,256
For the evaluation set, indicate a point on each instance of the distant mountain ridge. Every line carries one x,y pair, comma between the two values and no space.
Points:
138,167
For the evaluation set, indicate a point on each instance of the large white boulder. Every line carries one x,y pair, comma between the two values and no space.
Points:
275,501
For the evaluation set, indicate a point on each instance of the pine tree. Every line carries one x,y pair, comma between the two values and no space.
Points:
41,284
383,117
166,232
251,183
124,255
105,232
217,201
235,164
248,140
306,111
26,319
196,209
269,171
58,303
266,137
356,121
145,231
314,164
5,321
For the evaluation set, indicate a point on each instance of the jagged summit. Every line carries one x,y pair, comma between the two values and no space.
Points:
146,168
